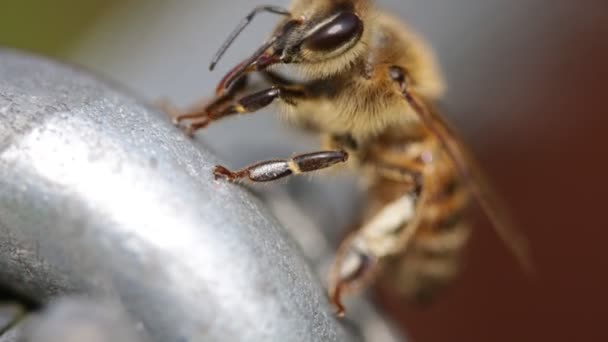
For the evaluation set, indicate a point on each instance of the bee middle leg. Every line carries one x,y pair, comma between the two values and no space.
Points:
271,170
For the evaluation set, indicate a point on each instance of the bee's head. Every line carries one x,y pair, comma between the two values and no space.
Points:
322,39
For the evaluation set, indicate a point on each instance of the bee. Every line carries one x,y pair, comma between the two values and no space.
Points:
367,85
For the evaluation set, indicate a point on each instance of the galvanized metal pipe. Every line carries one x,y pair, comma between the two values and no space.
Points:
100,195
12,335
80,320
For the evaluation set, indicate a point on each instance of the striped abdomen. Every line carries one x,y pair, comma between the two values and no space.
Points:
433,256
414,232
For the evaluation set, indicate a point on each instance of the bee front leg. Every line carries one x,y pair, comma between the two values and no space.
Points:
271,170
248,104
199,114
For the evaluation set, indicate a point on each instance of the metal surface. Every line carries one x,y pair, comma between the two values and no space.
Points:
9,314
80,320
12,335
101,195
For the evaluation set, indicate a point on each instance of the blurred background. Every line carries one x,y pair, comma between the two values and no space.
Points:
526,87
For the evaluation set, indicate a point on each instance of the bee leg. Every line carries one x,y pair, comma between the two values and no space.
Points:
219,109
200,116
248,104
271,170
354,267
199,113
386,234
277,79
256,101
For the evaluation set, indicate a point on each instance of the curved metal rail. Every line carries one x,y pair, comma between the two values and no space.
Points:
100,195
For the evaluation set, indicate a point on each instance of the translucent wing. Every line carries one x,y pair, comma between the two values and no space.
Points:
474,178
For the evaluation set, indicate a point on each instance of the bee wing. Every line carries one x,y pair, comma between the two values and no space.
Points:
474,178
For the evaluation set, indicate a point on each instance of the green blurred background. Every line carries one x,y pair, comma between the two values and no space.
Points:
48,27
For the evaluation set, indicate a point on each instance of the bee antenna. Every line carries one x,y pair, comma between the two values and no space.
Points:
241,27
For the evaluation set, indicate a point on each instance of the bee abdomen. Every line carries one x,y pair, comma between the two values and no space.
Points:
433,258
442,242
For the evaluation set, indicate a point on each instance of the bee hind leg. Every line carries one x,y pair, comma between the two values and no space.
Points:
387,233
353,269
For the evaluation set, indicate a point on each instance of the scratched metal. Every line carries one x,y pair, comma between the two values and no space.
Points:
100,195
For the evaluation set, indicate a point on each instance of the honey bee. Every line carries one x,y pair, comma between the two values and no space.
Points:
367,85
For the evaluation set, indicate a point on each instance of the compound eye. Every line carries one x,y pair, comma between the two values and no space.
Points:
344,28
